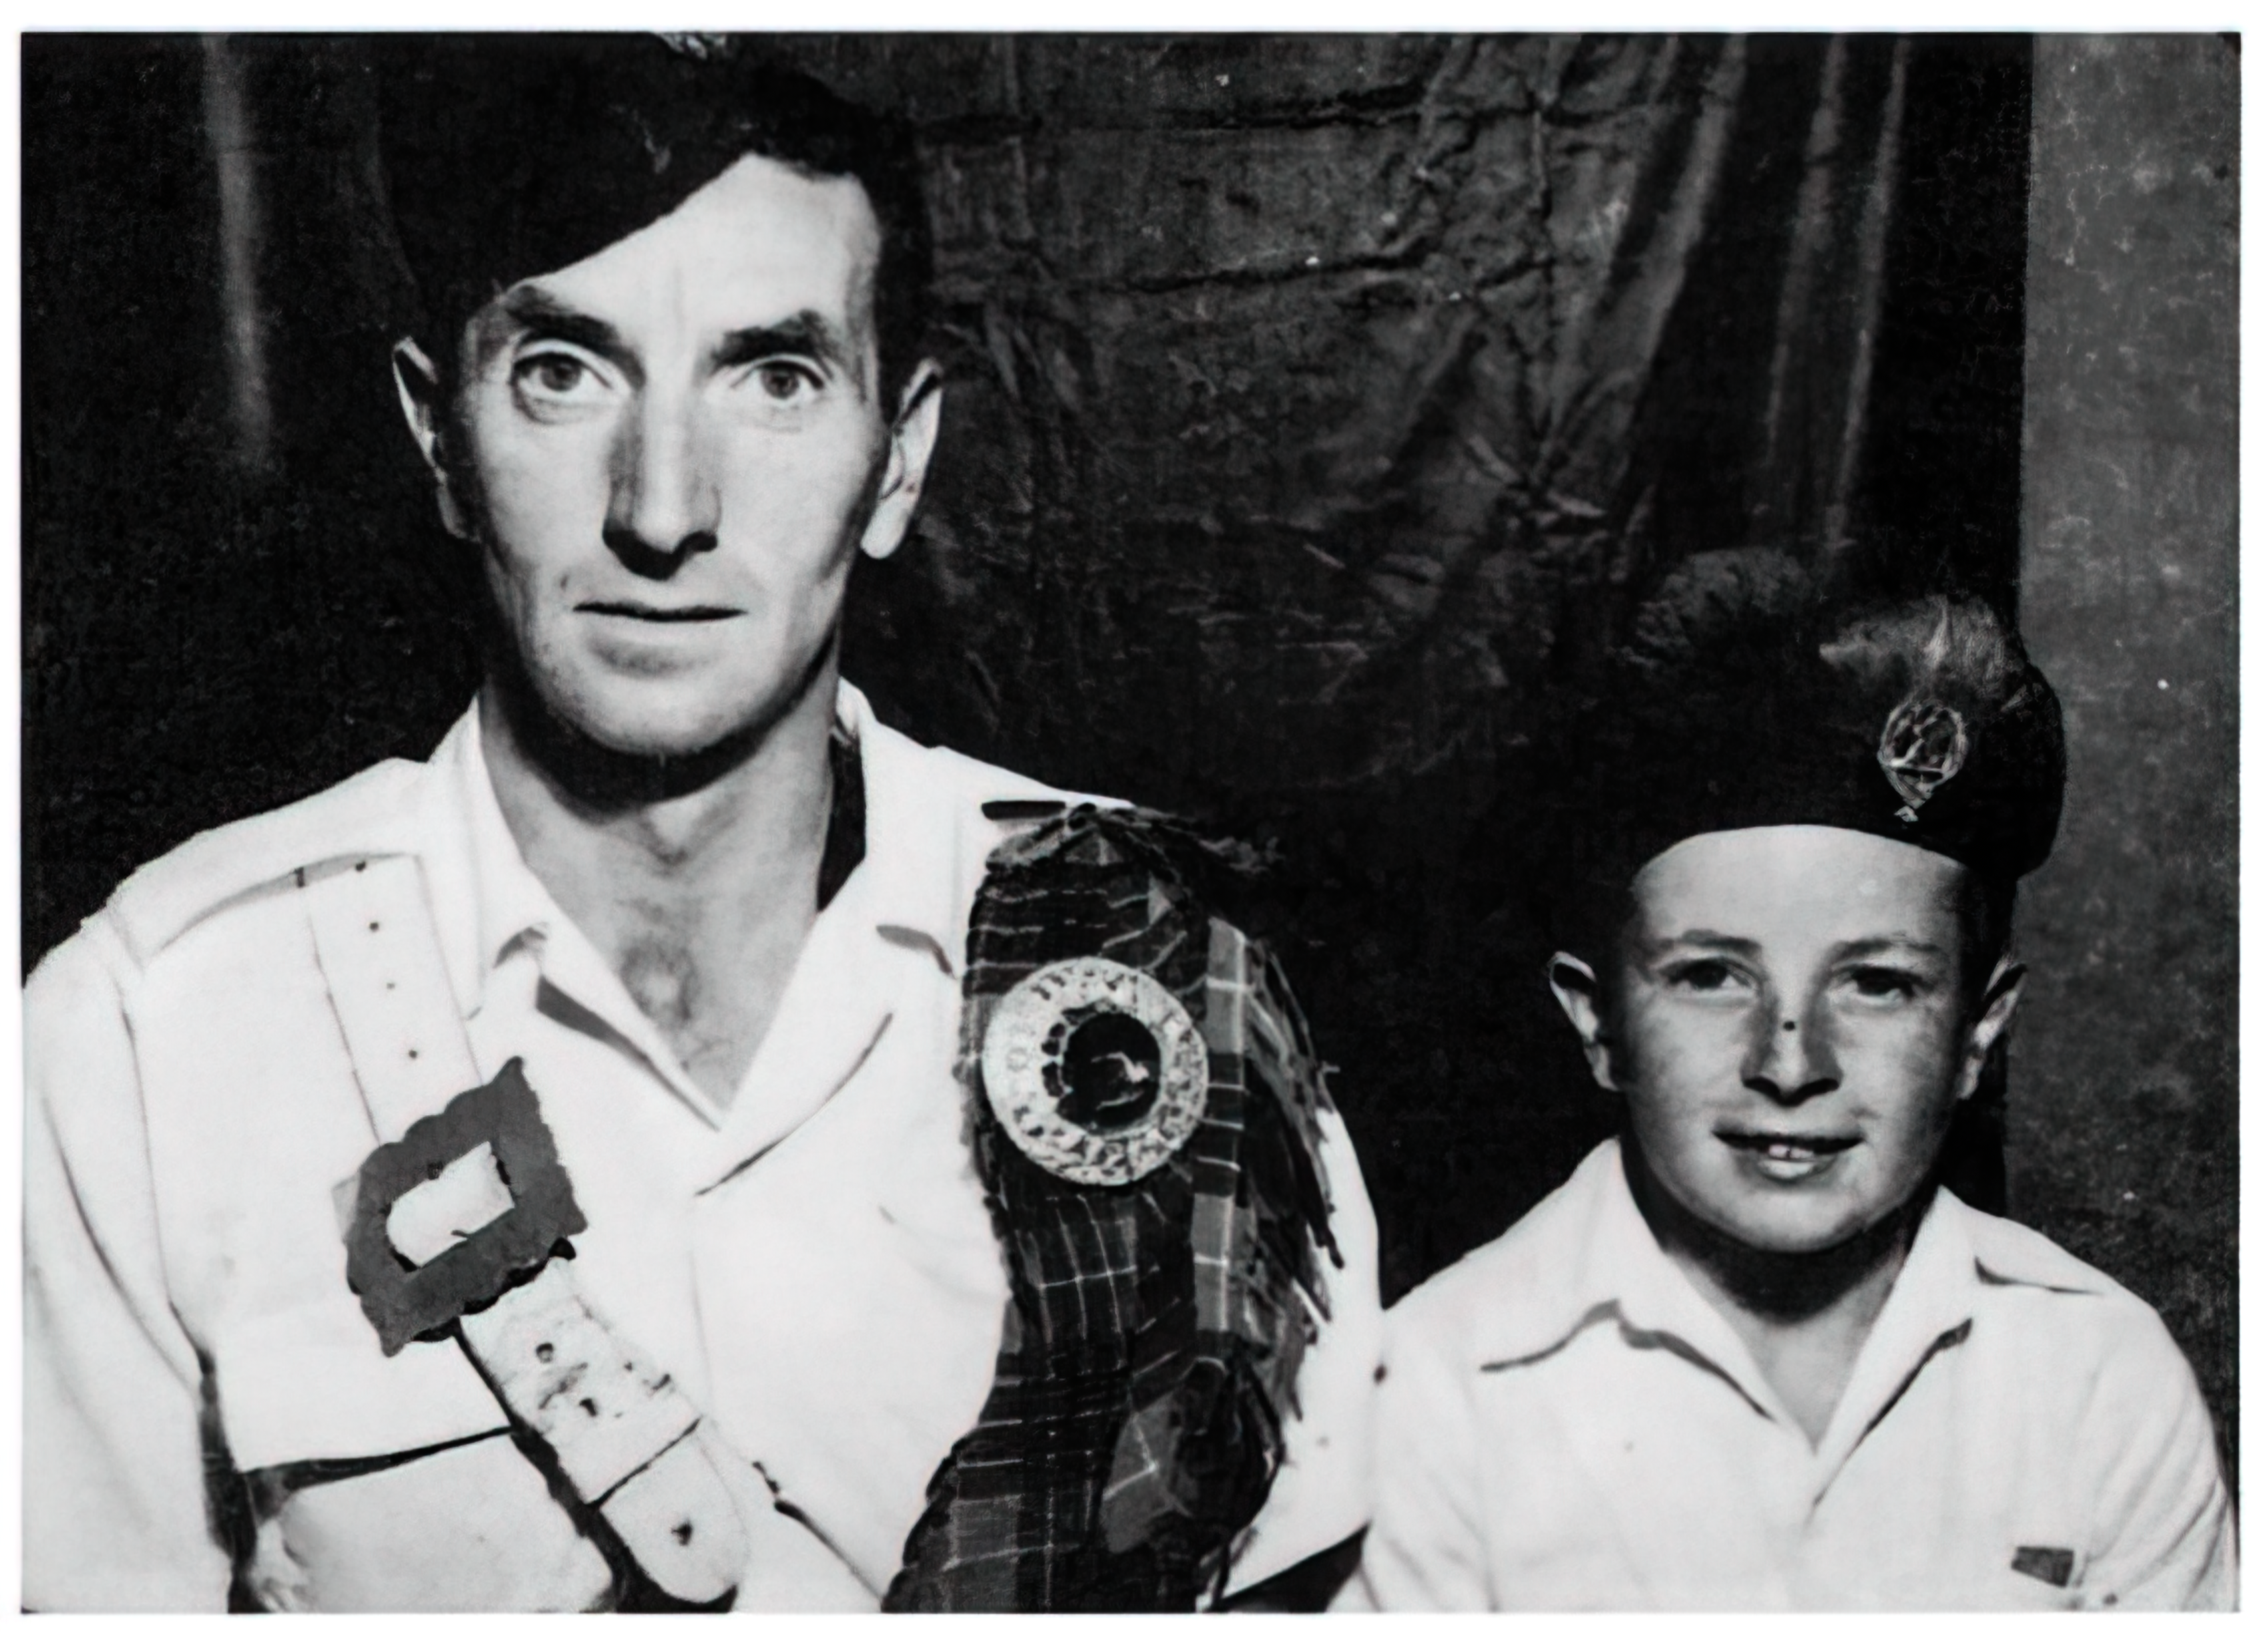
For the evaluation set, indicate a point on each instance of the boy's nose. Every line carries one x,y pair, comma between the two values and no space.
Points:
1790,1057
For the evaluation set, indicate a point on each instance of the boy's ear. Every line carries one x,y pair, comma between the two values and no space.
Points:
2002,991
1576,985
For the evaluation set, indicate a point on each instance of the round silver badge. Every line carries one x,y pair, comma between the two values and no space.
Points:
1094,1070
1923,746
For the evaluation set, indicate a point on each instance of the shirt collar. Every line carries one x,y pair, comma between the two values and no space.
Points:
510,906
1625,1271
908,886
1622,1270
520,939
1930,1309
462,869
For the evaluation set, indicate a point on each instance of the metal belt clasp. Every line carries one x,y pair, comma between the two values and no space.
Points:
416,1294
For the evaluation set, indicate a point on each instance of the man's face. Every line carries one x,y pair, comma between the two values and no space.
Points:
670,453
1789,1028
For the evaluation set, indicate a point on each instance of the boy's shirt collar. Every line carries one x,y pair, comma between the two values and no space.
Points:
1618,1276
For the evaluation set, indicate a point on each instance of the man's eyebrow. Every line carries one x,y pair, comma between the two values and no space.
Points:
808,334
535,309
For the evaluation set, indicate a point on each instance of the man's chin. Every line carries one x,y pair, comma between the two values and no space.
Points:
611,740
663,740
672,739
609,749
673,718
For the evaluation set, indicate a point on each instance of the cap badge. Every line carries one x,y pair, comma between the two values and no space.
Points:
1923,747
1095,1071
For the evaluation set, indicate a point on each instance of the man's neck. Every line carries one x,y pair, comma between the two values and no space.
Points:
698,881
1804,1318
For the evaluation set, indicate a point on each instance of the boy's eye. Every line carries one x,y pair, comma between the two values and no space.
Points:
1702,975
1877,980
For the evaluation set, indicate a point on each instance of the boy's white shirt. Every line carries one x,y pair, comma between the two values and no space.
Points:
1566,1422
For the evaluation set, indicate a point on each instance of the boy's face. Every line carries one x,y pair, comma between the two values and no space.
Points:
1789,1029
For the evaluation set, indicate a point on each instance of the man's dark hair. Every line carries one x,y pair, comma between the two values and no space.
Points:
512,155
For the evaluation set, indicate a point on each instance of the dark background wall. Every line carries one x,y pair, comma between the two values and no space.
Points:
2122,1145
1320,407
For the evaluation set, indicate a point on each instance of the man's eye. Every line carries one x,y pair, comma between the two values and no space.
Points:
784,382
557,375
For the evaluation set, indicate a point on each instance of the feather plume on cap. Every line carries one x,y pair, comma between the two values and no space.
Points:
1744,699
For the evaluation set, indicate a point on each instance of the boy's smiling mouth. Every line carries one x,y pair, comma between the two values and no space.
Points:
1784,1156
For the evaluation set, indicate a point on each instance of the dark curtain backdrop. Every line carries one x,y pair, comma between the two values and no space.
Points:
1318,407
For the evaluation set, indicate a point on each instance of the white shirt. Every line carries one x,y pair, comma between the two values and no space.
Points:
1565,1422
813,1263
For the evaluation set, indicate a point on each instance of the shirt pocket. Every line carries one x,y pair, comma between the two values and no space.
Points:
387,1484
2044,1572
311,1384
470,1527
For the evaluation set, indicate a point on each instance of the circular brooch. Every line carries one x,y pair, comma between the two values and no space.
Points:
1923,746
1095,1071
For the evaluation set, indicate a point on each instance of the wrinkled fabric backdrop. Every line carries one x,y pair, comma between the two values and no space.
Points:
1319,407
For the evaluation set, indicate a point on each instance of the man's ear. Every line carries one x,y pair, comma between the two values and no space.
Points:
419,384
1576,985
2001,992
913,435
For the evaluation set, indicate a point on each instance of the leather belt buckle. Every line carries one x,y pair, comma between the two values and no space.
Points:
407,1301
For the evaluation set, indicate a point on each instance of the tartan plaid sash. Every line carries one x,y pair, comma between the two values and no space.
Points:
1154,1328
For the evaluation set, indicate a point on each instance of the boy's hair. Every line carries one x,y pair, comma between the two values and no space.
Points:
512,155
1744,699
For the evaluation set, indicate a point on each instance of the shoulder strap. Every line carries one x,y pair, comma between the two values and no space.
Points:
371,813
622,1433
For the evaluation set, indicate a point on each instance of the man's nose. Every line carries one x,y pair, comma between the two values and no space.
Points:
1790,1054
663,508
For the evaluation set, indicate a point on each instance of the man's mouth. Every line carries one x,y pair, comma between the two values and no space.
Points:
1788,1156
638,611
